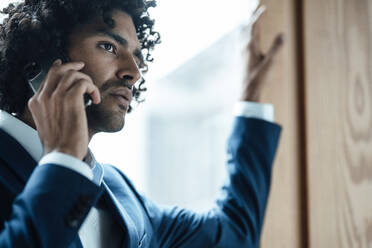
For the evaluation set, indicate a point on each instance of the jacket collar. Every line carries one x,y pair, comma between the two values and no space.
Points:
16,157
25,135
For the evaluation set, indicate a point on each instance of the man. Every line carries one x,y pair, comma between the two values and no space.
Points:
53,192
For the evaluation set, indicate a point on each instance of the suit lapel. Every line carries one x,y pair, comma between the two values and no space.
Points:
121,216
17,160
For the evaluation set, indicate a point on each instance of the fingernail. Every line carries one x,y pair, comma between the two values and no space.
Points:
81,64
57,62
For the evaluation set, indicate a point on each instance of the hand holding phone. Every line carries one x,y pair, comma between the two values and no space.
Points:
58,111
37,71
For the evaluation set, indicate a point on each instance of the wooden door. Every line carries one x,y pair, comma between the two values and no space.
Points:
284,220
338,88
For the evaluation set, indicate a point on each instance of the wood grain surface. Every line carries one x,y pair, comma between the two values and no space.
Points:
283,220
338,67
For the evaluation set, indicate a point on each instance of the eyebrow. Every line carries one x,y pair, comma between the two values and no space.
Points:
122,41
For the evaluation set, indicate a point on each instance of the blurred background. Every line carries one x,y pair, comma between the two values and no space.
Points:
173,145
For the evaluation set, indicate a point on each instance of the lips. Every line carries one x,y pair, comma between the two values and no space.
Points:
121,100
123,95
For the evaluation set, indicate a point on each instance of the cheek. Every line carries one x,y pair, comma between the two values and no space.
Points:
95,65
97,73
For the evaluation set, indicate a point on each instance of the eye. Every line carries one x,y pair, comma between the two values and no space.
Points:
108,47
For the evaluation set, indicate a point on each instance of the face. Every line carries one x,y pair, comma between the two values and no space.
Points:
111,59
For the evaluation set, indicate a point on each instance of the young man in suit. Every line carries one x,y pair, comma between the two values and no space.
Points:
53,192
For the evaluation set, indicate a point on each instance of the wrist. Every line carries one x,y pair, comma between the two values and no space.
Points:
66,151
68,162
250,97
251,92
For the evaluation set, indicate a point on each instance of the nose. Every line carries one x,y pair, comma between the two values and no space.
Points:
129,70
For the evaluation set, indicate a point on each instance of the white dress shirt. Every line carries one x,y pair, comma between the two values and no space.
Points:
93,228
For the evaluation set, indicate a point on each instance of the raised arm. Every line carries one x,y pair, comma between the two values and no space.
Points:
237,218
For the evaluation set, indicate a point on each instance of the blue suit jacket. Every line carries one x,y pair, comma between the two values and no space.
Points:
44,206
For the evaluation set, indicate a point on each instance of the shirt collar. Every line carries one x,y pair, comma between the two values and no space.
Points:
96,167
23,134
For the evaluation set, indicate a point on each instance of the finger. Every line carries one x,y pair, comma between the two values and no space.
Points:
276,45
81,87
260,70
254,17
254,46
56,71
257,14
68,79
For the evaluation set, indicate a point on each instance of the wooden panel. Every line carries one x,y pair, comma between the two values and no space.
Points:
338,52
283,220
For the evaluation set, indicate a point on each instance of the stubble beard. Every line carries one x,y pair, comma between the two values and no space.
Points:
103,119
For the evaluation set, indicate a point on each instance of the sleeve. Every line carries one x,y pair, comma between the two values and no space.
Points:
50,209
257,110
237,218
69,162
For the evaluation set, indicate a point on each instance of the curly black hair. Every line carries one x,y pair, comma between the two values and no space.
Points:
33,27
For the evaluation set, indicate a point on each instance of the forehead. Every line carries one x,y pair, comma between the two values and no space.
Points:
124,27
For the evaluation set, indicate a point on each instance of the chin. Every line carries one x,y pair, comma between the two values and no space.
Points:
114,126
102,120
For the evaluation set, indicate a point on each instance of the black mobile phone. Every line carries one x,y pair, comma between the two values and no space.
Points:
37,71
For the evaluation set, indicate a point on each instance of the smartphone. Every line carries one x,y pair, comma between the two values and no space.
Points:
37,71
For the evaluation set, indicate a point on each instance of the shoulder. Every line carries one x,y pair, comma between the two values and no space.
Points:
117,181
113,173
114,177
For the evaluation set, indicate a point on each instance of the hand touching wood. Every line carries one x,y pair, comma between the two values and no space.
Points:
258,63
